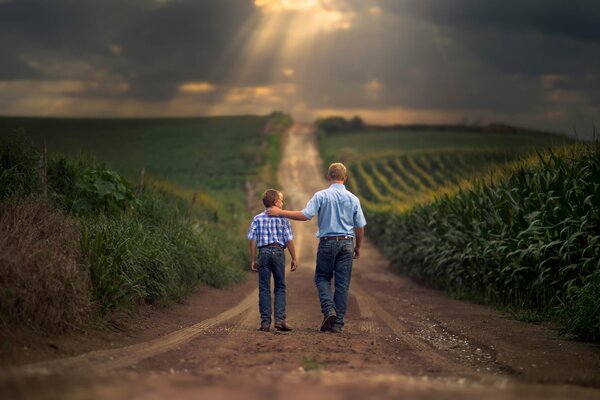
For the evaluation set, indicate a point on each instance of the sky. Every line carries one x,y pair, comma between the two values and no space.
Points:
531,63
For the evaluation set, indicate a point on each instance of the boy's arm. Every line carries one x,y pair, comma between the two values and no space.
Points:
278,212
359,232
292,250
253,264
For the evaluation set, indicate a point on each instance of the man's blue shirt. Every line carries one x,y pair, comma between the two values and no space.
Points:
267,230
338,210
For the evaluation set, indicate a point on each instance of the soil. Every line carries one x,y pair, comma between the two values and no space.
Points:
400,340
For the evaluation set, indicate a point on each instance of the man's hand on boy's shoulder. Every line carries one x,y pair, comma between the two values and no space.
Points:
274,211
254,266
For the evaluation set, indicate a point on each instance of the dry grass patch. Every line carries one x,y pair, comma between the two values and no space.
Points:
44,282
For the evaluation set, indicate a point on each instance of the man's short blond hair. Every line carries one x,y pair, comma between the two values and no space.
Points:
337,172
270,196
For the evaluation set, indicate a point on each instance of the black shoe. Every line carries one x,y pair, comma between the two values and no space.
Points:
282,326
264,327
328,321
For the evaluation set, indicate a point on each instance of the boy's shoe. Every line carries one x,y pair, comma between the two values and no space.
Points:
264,327
337,329
328,321
282,326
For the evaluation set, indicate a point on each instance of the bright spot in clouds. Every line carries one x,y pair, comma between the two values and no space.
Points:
288,72
286,5
242,94
374,85
196,87
324,14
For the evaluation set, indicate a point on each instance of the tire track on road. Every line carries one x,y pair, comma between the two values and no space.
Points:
369,308
106,360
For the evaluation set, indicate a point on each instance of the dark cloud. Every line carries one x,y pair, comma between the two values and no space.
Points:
576,19
152,45
534,37
416,68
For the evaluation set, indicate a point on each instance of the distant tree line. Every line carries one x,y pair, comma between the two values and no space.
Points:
340,124
337,124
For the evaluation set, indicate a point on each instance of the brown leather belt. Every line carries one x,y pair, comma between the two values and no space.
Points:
337,238
272,245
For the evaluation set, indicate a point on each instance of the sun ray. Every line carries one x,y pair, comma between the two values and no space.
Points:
280,38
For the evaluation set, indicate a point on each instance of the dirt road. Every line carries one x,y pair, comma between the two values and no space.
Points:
401,340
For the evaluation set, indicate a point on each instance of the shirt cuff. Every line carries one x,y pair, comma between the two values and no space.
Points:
307,214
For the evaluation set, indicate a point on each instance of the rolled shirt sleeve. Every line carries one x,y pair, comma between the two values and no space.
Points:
312,207
359,217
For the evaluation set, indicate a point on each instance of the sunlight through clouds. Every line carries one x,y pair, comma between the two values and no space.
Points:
323,14
284,32
279,5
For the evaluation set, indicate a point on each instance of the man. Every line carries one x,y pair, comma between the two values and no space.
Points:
341,221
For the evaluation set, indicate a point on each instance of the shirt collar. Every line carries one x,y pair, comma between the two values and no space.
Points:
337,186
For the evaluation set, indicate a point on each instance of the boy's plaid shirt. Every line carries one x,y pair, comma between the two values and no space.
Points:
267,230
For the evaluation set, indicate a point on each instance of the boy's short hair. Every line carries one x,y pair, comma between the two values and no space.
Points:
337,172
270,196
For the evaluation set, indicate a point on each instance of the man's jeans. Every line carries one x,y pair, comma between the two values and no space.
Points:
271,260
334,260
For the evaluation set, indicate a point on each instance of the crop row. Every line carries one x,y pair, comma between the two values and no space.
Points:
402,178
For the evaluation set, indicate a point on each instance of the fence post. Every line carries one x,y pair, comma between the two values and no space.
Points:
142,173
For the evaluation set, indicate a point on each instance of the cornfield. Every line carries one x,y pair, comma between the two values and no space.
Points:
528,238
403,180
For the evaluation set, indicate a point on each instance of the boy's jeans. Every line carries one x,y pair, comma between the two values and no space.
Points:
271,260
334,260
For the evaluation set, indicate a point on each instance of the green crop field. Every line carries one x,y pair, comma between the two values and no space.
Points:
212,154
374,142
405,167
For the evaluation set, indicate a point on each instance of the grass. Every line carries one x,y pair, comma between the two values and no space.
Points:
44,281
150,244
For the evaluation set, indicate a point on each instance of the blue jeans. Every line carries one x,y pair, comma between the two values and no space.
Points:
271,260
334,260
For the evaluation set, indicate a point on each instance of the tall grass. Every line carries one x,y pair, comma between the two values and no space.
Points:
132,245
44,279
138,260
530,240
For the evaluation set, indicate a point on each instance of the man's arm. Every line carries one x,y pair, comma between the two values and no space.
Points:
278,212
292,250
253,263
359,232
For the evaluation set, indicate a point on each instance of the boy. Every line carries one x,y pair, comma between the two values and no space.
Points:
271,235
